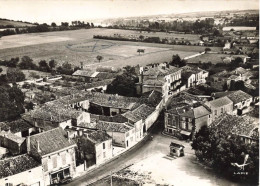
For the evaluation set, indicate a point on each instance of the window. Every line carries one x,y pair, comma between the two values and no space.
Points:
104,145
54,161
222,110
190,126
209,116
127,134
183,125
63,158
216,112
45,165
104,154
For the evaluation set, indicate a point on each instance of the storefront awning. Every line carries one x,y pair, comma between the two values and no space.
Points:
185,132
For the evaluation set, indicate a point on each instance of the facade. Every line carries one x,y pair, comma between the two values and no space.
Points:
241,100
123,134
56,153
220,106
22,169
15,144
161,78
184,120
95,147
194,76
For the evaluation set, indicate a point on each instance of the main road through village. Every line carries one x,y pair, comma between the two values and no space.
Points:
188,166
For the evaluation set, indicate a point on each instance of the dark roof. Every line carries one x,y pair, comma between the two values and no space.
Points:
235,96
50,141
184,97
19,125
243,126
161,71
185,75
153,98
18,164
108,126
154,82
117,118
97,136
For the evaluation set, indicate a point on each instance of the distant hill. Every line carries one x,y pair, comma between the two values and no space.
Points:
8,23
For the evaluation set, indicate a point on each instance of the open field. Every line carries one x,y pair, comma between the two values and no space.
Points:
79,46
213,58
14,23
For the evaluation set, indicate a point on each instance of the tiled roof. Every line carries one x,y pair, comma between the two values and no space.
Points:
153,98
185,110
219,102
49,142
143,111
242,126
98,136
19,125
153,82
132,117
106,75
108,126
160,71
117,118
12,137
235,96
16,165
185,75
184,97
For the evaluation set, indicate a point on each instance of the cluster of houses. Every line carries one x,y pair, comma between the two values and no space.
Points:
82,128
67,136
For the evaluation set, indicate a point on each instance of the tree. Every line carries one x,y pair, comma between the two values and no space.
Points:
65,24
177,61
43,66
27,63
11,102
141,37
1,70
14,75
92,25
52,64
140,51
66,68
53,24
99,58
220,149
207,50
29,106
124,84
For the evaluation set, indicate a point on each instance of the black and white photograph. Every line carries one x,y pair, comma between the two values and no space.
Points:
129,92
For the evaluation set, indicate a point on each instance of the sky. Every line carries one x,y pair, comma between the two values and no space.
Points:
68,10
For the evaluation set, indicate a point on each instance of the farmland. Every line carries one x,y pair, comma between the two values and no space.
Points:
79,46
14,23
213,58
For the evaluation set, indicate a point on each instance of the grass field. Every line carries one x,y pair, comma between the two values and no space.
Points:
79,46
213,58
14,23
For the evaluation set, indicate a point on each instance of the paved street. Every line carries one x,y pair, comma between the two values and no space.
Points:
186,165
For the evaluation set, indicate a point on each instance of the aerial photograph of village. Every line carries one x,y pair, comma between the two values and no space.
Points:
129,92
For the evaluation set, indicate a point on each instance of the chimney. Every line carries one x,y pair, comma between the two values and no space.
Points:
28,143
38,147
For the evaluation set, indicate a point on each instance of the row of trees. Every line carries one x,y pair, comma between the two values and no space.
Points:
46,28
220,150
